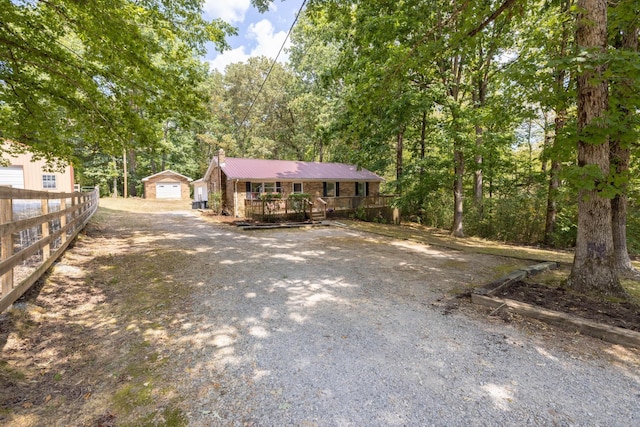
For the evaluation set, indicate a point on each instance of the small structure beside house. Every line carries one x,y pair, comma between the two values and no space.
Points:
167,185
200,192
242,181
24,171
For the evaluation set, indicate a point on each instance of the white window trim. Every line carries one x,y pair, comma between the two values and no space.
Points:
262,186
48,180
293,188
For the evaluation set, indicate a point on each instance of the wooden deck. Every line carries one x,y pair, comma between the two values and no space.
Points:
317,209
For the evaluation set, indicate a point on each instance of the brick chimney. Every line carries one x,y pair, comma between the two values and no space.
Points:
221,157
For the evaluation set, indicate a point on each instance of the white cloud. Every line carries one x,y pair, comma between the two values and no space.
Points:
229,57
267,44
231,11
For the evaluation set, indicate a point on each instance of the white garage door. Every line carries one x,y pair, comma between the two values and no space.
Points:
168,190
12,176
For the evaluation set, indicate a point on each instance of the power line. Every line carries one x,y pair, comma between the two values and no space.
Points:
274,62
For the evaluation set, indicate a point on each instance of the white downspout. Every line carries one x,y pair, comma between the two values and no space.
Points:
235,201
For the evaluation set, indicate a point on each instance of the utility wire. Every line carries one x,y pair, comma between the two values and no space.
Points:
274,62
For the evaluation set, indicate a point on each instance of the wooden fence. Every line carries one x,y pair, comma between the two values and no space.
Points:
35,229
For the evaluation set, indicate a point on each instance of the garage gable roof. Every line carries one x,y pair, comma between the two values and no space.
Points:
259,169
168,172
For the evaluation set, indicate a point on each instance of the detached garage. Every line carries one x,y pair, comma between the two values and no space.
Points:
167,185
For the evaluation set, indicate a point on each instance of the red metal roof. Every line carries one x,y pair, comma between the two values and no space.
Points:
273,170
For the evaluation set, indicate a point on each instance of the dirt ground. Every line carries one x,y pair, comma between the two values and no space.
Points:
621,314
95,343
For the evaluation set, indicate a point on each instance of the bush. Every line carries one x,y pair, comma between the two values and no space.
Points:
270,197
215,201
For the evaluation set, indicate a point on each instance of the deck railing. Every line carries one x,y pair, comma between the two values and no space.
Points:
264,210
355,202
35,229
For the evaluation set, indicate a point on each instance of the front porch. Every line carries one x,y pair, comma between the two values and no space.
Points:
319,208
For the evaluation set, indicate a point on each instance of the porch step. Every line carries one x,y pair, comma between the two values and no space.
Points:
317,216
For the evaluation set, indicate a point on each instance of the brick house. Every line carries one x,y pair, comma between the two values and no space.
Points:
167,185
245,179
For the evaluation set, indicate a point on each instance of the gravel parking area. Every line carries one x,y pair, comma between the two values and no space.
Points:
158,316
331,327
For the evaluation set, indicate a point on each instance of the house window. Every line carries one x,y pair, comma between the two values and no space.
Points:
331,189
297,187
361,189
49,182
258,188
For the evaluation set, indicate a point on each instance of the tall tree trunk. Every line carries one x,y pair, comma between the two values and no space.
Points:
399,150
559,123
546,145
423,139
115,178
458,192
133,165
620,152
125,174
480,100
457,229
593,266
554,184
477,176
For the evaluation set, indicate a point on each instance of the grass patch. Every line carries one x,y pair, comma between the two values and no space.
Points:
23,322
633,288
168,417
504,269
9,374
454,263
132,396
553,278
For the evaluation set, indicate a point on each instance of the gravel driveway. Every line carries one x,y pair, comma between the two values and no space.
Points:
331,327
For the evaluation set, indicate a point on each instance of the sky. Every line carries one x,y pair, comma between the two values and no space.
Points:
258,34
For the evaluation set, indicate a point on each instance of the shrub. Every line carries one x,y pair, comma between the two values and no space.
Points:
215,201
270,197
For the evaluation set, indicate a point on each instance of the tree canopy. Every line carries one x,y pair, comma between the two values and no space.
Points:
99,73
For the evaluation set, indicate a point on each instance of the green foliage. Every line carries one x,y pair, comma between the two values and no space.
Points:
215,201
270,197
361,213
299,196
103,74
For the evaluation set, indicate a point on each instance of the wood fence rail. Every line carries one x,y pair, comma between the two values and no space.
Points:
35,229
